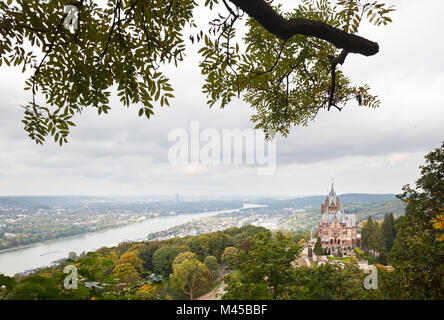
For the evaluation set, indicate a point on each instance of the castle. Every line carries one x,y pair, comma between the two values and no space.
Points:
336,228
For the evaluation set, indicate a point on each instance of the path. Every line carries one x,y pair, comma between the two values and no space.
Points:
215,294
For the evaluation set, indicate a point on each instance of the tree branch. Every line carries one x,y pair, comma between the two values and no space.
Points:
334,62
283,28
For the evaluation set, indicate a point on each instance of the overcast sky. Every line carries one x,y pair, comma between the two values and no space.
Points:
372,151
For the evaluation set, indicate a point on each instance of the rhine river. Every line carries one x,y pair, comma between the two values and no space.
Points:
43,254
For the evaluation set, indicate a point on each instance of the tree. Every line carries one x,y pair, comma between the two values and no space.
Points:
325,282
149,291
218,241
212,265
367,231
318,247
128,268
132,259
123,247
376,243
36,287
200,245
265,271
229,257
285,66
398,223
183,256
125,272
163,259
7,285
388,230
418,251
372,237
146,254
189,277
72,255
241,235
359,253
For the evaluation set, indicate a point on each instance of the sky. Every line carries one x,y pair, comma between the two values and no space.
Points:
363,150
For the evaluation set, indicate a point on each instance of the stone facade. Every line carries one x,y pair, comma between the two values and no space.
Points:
336,228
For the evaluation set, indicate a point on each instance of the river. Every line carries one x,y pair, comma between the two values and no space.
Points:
43,254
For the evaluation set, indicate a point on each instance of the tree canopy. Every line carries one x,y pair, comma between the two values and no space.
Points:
418,250
265,270
164,257
318,247
283,63
189,277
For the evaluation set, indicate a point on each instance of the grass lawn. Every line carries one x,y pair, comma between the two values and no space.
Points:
371,259
338,258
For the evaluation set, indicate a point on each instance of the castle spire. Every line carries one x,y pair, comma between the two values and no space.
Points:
332,198
332,191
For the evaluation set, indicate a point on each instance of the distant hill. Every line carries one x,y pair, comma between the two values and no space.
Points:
316,201
366,197
36,202
113,204
43,202
363,204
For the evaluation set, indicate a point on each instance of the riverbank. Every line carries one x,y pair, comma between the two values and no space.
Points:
46,237
43,254
73,236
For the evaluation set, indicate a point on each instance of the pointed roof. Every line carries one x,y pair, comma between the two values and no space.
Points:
332,191
332,195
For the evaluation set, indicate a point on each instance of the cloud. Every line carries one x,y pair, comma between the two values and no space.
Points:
364,150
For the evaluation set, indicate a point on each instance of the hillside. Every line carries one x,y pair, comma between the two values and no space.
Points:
302,221
315,201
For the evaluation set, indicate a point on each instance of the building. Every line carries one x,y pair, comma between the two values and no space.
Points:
336,228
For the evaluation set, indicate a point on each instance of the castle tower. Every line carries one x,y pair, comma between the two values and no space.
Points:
332,203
